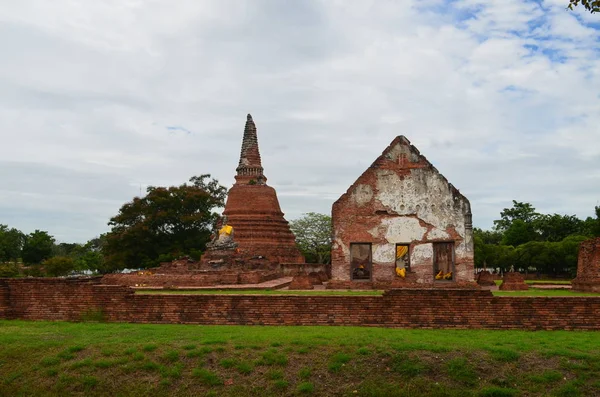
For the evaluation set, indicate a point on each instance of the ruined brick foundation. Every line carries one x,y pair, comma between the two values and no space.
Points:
588,267
69,300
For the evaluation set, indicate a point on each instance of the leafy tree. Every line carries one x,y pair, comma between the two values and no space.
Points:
66,249
590,5
11,244
591,226
37,247
556,227
165,223
488,236
485,242
89,256
59,266
518,233
313,236
519,211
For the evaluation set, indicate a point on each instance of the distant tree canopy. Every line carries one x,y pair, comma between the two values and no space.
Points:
526,240
166,223
313,236
590,5
37,247
11,243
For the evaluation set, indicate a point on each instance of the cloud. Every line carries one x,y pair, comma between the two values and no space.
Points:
99,99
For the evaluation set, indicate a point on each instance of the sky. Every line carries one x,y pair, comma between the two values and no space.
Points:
100,99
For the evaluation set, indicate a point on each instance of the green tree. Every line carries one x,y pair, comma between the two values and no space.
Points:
519,211
66,249
37,247
590,5
165,223
518,233
313,236
58,266
488,236
11,244
591,226
556,227
89,256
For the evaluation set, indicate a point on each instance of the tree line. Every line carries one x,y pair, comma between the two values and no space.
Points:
166,223
527,241
170,222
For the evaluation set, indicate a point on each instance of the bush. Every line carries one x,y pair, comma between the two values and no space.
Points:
9,270
58,266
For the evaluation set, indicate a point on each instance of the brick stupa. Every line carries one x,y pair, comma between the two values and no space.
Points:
588,267
253,210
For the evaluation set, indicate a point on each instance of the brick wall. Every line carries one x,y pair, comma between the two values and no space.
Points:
401,199
55,299
197,279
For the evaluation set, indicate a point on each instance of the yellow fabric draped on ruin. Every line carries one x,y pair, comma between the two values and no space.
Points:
401,272
401,250
226,230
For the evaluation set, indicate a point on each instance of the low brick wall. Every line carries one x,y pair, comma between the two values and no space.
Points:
194,279
58,299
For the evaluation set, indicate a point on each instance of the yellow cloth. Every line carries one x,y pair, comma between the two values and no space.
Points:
226,230
401,272
401,250
440,275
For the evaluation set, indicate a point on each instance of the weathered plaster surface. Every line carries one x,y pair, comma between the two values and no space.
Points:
402,199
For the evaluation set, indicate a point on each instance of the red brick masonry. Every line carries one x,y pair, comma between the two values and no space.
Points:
59,299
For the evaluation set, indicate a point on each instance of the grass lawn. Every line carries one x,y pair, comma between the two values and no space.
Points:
541,282
544,292
57,358
556,282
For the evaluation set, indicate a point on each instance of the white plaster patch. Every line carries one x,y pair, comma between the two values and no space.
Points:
403,230
374,232
423,193
384,253
421,253
362,194
436,233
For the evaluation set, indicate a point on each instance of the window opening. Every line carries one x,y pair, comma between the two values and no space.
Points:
360,261
402,259
443,261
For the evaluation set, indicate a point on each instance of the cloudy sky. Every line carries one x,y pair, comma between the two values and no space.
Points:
101,98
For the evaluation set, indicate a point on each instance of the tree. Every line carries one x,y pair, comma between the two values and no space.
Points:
11,244
313,236
590,5
37,247
522,211
591,226
59,266
166,223
90,256
518,233
556,227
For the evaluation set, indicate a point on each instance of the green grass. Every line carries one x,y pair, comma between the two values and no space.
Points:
544,292
556,282
254,292
58,358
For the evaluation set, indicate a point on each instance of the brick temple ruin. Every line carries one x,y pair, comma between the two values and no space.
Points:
588,267
253,210
402,224
252,244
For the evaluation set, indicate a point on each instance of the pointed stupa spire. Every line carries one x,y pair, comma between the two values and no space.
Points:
250,167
